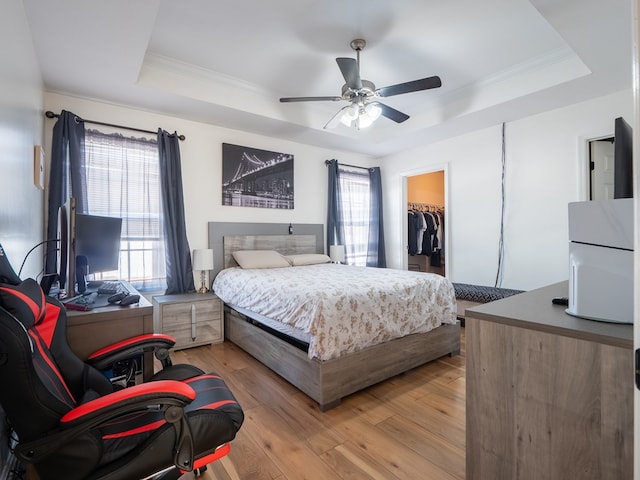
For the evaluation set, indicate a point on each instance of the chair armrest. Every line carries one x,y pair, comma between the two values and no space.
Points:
160,395
162,392
130,347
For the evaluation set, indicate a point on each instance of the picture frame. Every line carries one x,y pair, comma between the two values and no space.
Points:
252,177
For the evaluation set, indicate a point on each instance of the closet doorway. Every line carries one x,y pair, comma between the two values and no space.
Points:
427,223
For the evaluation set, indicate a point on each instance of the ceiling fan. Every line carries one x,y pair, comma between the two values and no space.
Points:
363,108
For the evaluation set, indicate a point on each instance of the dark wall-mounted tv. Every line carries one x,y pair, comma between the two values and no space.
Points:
623,160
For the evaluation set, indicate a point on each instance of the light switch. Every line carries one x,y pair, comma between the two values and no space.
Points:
38,166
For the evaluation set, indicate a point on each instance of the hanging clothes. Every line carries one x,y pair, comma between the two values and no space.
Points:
414,225
425,234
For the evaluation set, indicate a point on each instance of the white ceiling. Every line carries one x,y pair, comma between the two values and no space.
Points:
227,62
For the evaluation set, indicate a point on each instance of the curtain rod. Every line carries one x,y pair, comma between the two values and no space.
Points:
327,162
50,114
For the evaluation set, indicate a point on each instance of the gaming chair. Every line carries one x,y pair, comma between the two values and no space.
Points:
70,421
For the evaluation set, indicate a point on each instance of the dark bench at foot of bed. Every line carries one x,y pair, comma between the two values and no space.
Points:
468,296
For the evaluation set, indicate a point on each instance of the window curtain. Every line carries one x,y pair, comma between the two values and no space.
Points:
335,225
376,256
178,252
66,179
354,217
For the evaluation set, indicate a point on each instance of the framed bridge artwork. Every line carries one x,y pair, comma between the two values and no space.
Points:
256,178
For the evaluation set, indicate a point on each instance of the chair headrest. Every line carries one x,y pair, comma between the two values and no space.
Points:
25,301
7,273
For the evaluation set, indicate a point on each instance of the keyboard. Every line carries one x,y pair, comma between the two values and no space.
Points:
110,288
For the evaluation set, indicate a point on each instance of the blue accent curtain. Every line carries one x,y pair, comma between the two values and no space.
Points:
178,252
66,178
335,222
376,251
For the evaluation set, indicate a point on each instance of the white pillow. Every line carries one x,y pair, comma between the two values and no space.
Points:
260,259
307,259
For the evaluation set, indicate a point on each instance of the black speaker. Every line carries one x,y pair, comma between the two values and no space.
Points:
82,270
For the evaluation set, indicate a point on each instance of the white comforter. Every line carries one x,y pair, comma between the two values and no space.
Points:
342,308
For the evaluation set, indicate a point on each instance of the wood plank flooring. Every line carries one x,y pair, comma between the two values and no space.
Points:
409,427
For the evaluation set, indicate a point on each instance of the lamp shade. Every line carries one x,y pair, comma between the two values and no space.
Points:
203,259
336,252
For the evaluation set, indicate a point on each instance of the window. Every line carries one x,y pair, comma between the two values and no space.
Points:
355,193
123,180
354,213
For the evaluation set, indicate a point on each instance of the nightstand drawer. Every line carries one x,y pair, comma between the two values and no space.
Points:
181,313
192,319
190,335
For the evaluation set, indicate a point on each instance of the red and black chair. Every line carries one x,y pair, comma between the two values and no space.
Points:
72,423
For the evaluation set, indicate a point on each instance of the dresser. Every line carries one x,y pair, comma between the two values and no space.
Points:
193,319
549,396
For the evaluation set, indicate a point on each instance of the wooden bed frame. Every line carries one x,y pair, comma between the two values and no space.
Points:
326,382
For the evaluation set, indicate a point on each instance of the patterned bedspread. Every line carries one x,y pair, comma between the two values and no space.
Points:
343,308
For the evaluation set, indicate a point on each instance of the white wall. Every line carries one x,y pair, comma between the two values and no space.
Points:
21,216
201,155
21,98
544,155
545,158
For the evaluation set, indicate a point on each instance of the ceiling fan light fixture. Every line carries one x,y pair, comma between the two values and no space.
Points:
364,121
359,93
373,111
368,114
349,114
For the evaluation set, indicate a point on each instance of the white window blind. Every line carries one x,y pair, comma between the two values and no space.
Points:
123,180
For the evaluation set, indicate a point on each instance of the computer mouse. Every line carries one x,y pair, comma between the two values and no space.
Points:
129,299
115,298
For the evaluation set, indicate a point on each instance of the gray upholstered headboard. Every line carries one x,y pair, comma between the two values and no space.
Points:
219,230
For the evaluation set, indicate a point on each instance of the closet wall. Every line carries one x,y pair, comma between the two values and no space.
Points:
427,192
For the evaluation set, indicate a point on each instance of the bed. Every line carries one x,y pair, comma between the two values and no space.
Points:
295,346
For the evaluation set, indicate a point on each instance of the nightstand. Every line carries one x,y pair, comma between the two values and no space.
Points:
193,319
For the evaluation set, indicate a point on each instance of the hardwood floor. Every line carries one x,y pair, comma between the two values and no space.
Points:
409,427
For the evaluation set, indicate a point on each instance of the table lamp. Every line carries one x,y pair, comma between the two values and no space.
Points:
336,252
203,261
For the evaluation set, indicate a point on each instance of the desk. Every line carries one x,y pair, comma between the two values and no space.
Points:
92,330
549,396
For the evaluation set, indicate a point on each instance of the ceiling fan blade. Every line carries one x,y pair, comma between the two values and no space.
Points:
310,99
349,69
391,113
415,86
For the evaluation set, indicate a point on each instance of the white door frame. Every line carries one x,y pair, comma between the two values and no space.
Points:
403,214
584,173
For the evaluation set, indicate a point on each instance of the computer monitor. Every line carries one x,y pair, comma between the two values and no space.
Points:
97,245
88,244
98,239
66,257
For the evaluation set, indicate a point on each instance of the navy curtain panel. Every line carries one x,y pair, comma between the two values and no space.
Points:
66,178
335,223
376,251
177,251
